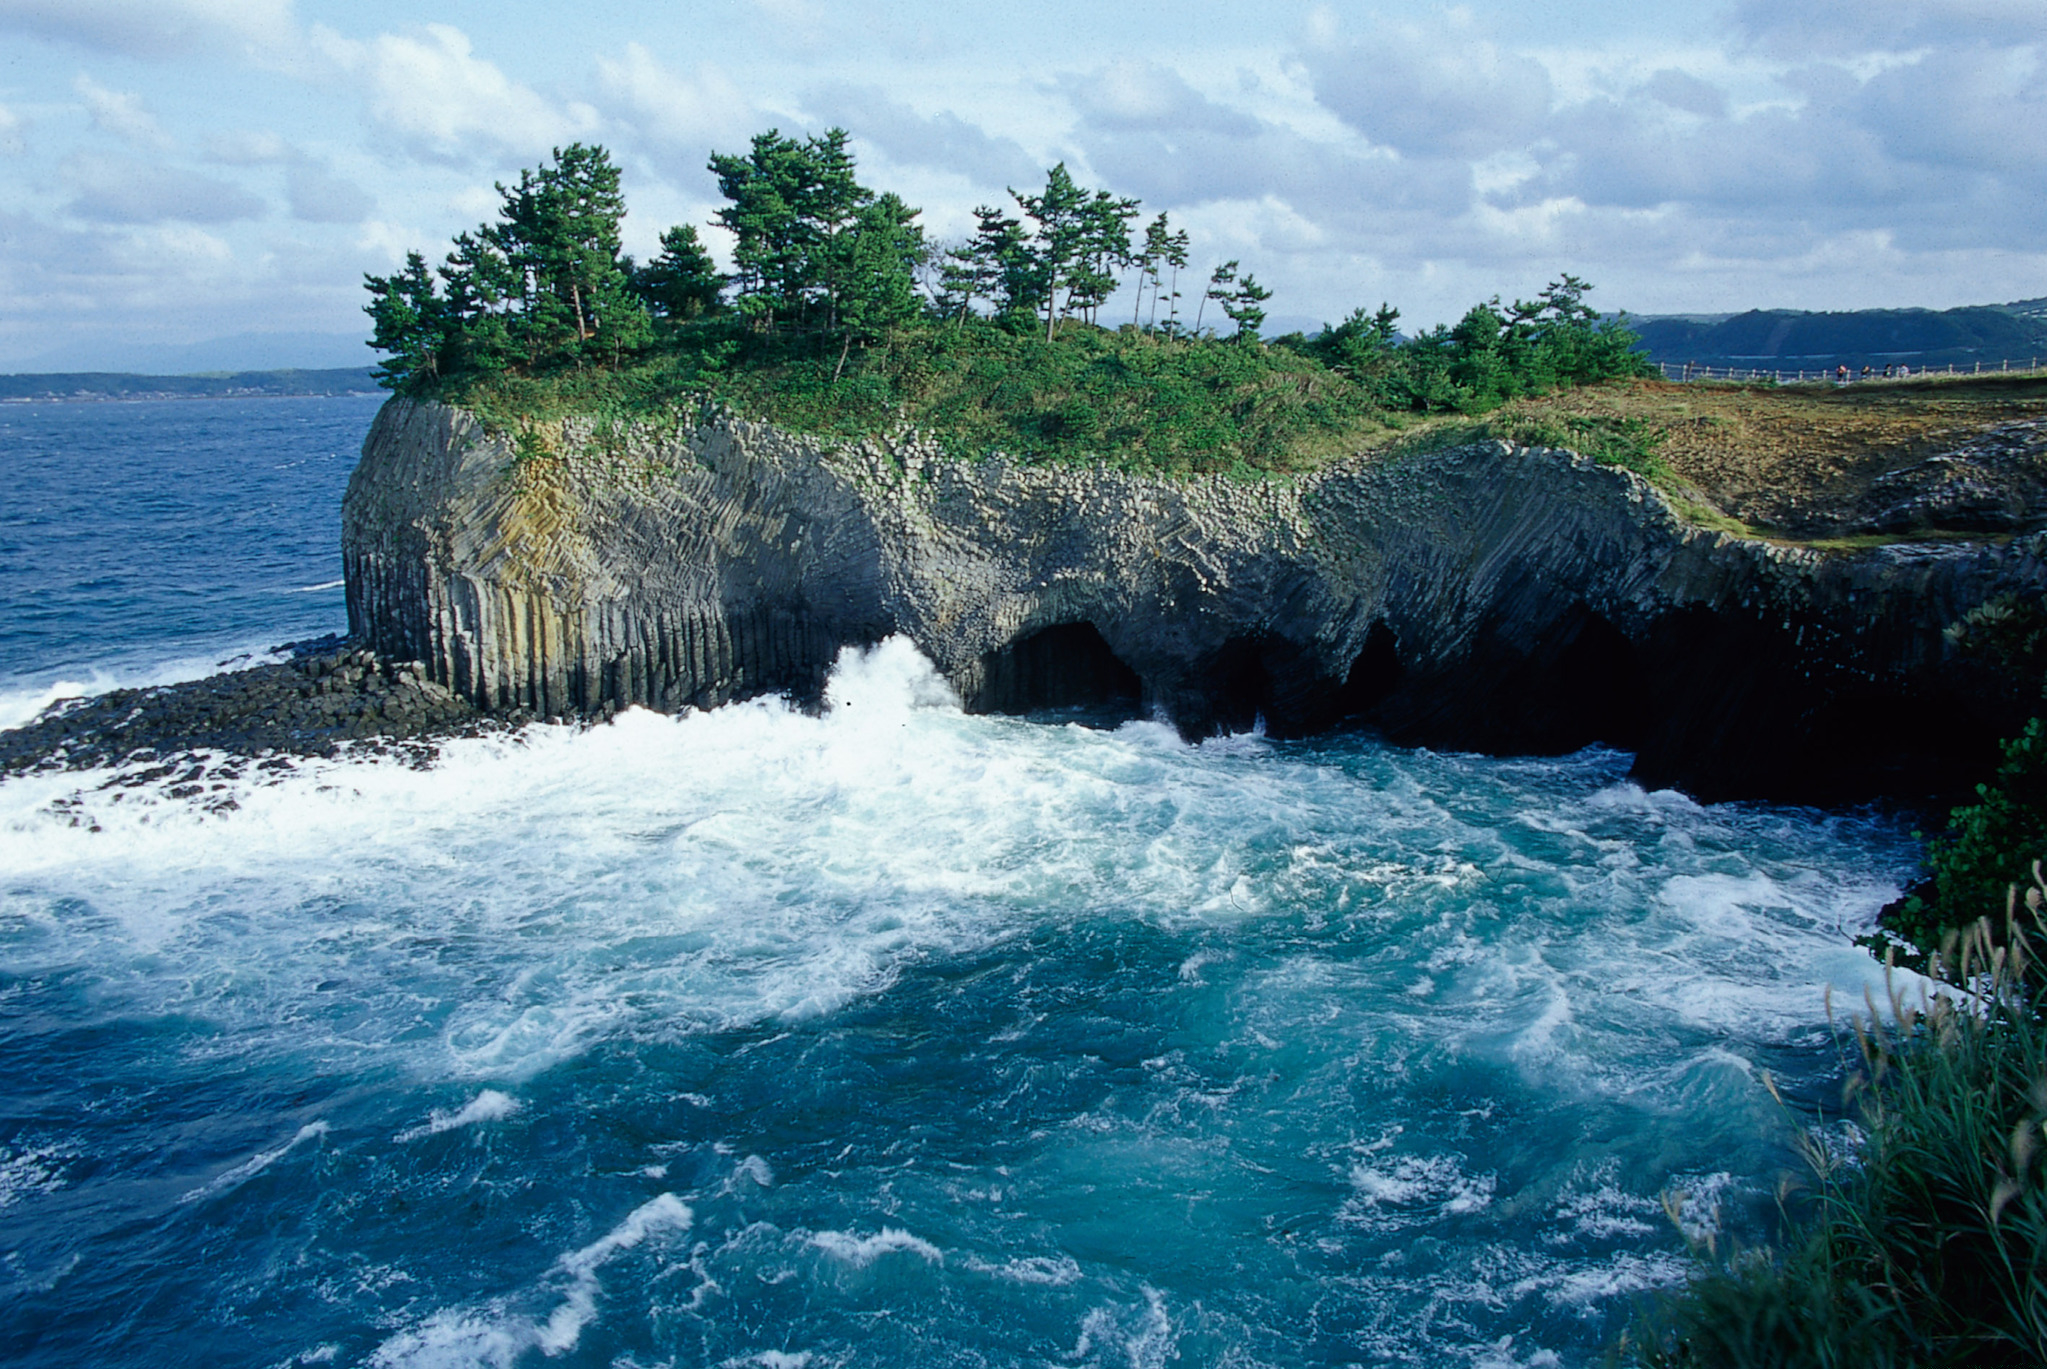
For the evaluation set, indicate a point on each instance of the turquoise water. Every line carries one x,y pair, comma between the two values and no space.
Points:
894,1036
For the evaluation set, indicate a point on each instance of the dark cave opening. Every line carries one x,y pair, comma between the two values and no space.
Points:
1065,667
1592,689
1239,684
1374,674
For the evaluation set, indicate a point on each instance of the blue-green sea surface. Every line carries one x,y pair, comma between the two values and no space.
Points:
892,1036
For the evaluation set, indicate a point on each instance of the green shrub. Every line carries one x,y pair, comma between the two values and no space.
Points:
1612,439
1981,854
1929,1247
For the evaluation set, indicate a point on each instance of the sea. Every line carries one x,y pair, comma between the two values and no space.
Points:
870,1035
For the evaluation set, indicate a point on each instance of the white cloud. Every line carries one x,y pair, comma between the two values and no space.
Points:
1128,95
438,97
121,114
694,114
314,193
1441,90
318,196
242,148
389,242
796,23
942,141
174,245
155,28
1683,91
11,126
1834,28
127,190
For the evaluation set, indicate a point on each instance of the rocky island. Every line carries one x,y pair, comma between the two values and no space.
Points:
602,485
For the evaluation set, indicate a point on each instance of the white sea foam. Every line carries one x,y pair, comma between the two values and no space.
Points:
492,1335
1594,1207
753,1172
467,927
578,1309
30,1171
765,862
255,1164
861,1251
22,701
1142,1337
1048,1271
488,1106
1401,1190
457,1340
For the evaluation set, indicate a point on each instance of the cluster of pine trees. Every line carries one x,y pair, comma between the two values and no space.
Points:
822,262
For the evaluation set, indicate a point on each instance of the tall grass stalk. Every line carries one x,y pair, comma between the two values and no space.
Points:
1928,1246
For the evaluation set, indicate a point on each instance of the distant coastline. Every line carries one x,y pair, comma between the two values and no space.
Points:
102,386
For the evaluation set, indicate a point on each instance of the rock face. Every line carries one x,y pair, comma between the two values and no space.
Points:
326,695
1486,598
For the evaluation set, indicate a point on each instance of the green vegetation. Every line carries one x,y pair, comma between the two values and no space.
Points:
1792,340
351,380
839,317
1990,845
1929,1245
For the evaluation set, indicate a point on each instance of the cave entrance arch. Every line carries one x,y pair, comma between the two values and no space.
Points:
1068,667
1582,683
1374,673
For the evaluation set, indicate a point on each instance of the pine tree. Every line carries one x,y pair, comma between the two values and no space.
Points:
1176,257
683,282
1104,251
772,243
1058,240
814,248
409,319
873,264
1150,258
1221,282
1242,305
558,230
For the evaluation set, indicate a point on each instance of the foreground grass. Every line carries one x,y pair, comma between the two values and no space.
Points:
1929,1246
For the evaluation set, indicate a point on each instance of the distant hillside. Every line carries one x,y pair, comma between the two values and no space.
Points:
117,385
1790,339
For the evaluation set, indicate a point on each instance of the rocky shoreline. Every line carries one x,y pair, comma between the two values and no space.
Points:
329,694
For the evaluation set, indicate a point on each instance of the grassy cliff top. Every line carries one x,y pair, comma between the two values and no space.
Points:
1808,463
1870,461
1124,398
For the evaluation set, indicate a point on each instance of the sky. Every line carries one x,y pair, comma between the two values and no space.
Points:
208,180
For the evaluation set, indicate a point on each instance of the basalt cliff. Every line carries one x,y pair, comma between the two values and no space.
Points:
1488,597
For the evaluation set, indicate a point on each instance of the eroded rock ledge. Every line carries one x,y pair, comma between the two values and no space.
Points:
1487,598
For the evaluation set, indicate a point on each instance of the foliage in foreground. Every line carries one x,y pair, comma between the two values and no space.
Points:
1929,1246
1989,845
840,318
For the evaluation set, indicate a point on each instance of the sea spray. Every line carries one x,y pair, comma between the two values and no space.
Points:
889,1034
